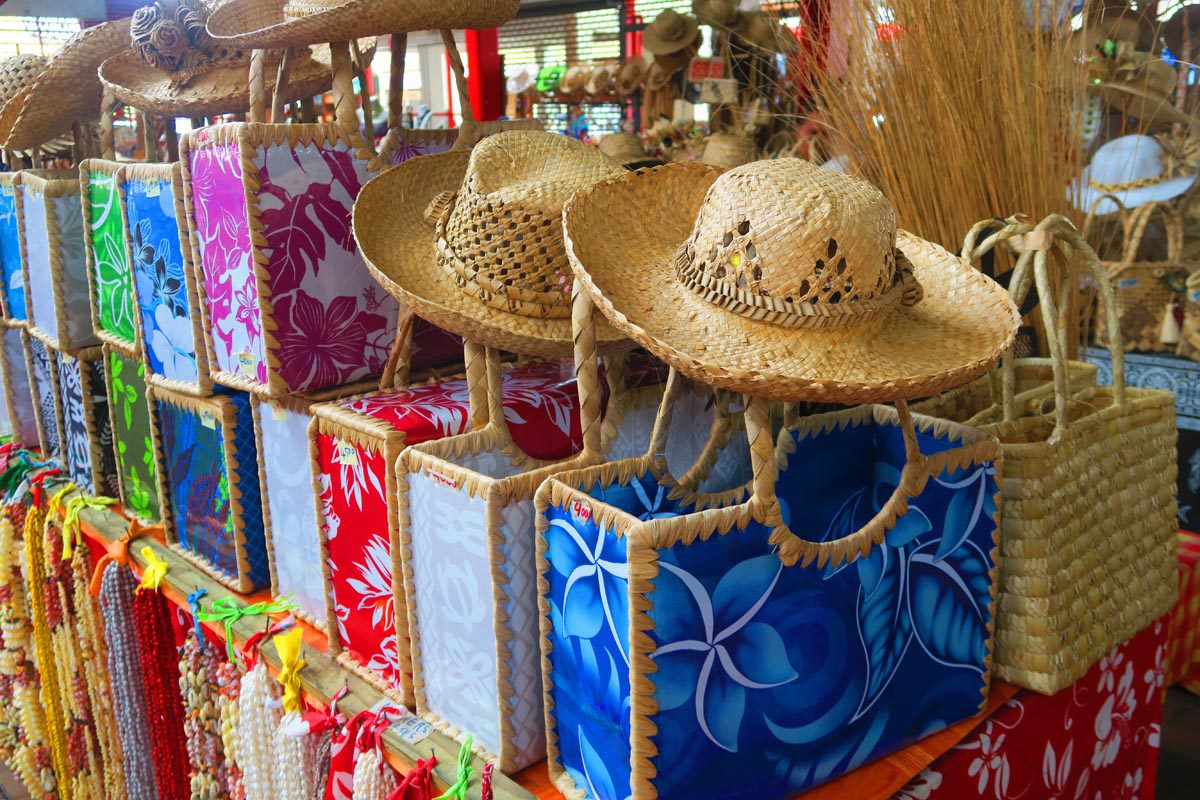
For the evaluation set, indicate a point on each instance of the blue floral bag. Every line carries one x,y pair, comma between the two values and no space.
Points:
168,312
696,646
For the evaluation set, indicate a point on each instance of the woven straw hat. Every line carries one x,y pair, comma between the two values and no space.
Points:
18,73
522,78
627,150
718,13
575,79
764,32
784,280
630,76
67,91
602,79
473,243
263,24
670,32
729,150
1141,88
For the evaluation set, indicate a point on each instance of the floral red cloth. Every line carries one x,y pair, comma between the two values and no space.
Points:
1096,740
1183,651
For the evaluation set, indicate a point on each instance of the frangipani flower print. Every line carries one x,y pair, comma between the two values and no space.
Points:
597,589
714,662
172,344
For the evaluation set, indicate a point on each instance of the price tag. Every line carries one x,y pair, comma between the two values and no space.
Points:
153,189
245,365
345,454
278,413
444,480
700,69
719,90
7,189
208,420
1127,283
412,729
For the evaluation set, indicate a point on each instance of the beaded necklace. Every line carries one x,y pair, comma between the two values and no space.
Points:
199,680
259,713
373,778
129,689
160,669
229,689
295,756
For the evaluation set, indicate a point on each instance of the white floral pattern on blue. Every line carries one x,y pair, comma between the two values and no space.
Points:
772,679
10,254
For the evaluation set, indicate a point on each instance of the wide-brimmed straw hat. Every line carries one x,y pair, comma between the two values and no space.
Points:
729,150
718,13
264,24
67,91
670,32
1139,85
473,242
575,79
1136,170
630,76
628,150
784,280
764,32
602,79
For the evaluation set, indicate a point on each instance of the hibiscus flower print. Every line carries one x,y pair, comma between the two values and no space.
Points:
373,584
322,344
173,345
713,650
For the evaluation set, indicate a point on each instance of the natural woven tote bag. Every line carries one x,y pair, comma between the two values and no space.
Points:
764,642
1144,290
1088,551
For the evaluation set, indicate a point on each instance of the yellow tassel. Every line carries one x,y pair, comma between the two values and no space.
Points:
156,570
288,645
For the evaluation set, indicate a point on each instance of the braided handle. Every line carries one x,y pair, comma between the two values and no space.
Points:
396,369
477,364
467,131
344,100
258,85
1137,220
281,81
587,372
396,81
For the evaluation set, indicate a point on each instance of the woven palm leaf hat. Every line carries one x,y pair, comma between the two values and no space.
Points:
294,23
18,73
174,68
67,91
786,281
473,242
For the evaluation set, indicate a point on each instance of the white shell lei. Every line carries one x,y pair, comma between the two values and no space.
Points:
259,713
296,762
373,779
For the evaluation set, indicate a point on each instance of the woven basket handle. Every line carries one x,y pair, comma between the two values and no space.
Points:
1057,232
477,363
719,435
765,469
466,131
396,81
1135,222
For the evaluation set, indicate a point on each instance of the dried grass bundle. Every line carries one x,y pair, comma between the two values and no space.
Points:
957,111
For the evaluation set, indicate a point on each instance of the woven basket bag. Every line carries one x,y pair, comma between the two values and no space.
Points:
1089,512
1144,289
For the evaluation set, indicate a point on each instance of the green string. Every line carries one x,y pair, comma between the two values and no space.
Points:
458,790
227,612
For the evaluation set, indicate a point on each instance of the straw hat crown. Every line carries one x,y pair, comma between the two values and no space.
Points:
670,32
501,233
796,245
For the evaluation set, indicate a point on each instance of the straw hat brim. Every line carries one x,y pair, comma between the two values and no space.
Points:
221,89
398,245
67,91
1084,196
660,46
259,24
963,324
1132,101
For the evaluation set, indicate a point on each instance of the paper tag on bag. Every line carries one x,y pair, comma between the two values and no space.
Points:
723,91
405,724
278,413
245,364
444,480
208,420
153,189
1127,283
345,454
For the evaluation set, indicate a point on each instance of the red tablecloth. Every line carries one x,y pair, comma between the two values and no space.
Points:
1183,651
1097,740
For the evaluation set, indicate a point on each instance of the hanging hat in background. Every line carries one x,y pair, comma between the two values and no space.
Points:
628,150
601,81
784,280
631,75
1139,85
659,76
261,24
67,91
173,68
670,32
717,13
522,78
550,77
761,30
729,150
1117,22
1171,31
575,79
1137,169
473,242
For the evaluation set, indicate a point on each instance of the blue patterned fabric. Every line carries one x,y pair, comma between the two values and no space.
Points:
10,254
774,679
167,333
198,486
